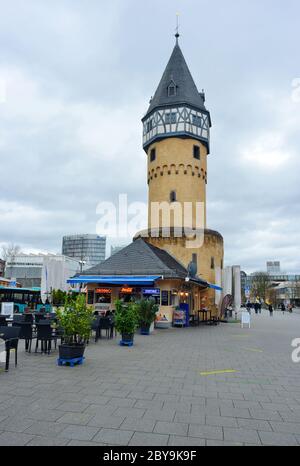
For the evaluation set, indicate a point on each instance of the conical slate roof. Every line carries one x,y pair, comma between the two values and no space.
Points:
186,90
140,258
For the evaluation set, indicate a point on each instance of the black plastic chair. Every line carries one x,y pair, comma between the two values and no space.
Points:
26,333
28,318
106,324
11,337
44,334
96,327
3,321
38,317
18,318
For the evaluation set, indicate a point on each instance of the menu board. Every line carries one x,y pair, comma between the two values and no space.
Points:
7,309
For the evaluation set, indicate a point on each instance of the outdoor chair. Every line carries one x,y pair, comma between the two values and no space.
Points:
96,327
3,321
11,337
28,318
26,333
44,334
38,317
18,318
105,324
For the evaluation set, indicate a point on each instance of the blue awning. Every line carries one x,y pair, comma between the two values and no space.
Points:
214,287
137,280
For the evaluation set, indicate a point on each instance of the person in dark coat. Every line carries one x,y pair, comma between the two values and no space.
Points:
259,307
283,308
256,307
271,310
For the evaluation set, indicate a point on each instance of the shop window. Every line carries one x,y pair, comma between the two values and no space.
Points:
212,263
196,152
152,155
103,296
90,297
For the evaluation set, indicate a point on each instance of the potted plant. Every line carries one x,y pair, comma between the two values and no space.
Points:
147,314
126,321
75,319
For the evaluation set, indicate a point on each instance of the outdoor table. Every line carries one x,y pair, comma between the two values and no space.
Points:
204,313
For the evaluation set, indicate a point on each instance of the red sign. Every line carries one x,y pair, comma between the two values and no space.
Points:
103,290
126,290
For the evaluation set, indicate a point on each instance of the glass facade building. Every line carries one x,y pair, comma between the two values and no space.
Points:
87,248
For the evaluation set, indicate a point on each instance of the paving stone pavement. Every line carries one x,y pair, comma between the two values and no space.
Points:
153,393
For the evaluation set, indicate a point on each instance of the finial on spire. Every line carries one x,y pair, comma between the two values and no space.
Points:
177,35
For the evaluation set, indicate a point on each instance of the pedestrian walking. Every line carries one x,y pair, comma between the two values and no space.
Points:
248,305
271,310
256,307
283,308
259,307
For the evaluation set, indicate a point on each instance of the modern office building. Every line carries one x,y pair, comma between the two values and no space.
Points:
89,249
273,267
31,270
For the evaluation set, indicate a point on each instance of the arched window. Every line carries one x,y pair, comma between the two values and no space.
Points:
173,196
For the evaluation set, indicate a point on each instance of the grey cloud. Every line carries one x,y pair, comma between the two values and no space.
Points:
75,139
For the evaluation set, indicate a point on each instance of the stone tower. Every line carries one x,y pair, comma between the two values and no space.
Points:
176,135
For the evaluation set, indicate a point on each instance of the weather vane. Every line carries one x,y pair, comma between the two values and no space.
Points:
177,28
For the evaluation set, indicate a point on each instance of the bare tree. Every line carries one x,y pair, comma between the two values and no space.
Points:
9,253
261,283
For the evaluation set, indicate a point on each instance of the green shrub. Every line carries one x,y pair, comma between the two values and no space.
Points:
147,309
126,317
75,319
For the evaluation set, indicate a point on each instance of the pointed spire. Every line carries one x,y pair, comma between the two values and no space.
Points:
178,73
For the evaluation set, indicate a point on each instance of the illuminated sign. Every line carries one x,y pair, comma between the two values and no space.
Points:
151,291
126,290
103,290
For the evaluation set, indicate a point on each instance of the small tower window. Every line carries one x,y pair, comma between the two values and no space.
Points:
152,155
196,120
171,89
149,125
173,196
170,118
212,263
196,152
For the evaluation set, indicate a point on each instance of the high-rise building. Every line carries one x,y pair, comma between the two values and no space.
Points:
89,249
273,267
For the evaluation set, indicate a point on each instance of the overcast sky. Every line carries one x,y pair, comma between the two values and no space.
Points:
76,77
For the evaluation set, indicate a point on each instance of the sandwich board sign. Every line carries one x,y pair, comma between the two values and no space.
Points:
246,319
7,309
